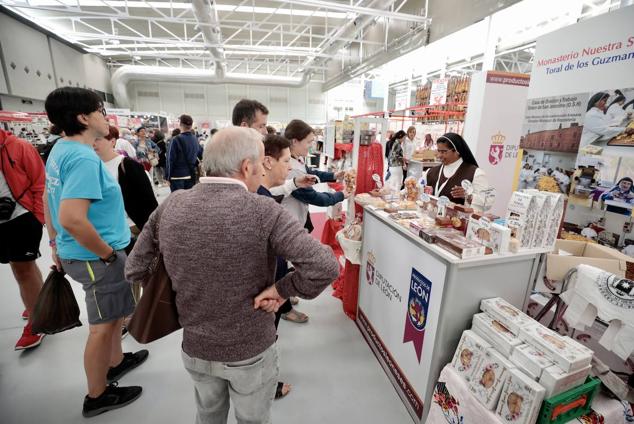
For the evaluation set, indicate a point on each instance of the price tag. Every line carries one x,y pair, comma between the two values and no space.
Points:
425,197
514,223
443,201
485,223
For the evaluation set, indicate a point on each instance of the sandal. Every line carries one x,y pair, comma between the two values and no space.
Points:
294,300
295,316
279,391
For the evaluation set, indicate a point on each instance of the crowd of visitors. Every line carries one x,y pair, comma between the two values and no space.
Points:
247,190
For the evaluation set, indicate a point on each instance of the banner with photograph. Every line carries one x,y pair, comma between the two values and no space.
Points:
578,131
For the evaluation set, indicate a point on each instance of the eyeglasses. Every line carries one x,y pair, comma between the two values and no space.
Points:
102,110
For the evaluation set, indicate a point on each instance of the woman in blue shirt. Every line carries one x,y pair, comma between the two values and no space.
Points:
86,223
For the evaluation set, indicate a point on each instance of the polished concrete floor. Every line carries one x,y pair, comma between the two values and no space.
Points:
335,377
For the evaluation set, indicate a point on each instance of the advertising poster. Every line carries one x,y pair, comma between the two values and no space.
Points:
495,133
578,129
438,94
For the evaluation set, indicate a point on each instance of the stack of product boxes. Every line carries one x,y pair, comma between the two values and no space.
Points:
511,362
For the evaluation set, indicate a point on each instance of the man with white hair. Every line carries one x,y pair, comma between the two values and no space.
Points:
123,145
219,241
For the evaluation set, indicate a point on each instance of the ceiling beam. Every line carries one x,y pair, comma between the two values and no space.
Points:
358,9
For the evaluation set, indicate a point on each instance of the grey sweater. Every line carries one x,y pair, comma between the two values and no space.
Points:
219,244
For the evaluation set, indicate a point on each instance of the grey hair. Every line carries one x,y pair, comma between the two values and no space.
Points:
228,148
124,131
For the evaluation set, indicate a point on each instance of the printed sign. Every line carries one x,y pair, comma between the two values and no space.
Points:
417,307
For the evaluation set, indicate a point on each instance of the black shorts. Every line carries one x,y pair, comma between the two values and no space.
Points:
20,239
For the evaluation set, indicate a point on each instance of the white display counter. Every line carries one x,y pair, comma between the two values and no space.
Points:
445,294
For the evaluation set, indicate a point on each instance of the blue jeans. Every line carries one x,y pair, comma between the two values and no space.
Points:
250,384
181,184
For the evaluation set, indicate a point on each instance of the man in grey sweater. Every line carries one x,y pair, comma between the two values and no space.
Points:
219,241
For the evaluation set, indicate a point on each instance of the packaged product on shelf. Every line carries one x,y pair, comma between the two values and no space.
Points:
350,180
496,333
391,207
459,215
494,236
489,377
544,205
411,189
444,221
507,314
530,360
520,217
556,381
397,216
422,223
459,245
469,353
554,219
521,399
564,351
408,205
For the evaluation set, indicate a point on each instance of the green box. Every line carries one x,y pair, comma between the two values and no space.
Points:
569,405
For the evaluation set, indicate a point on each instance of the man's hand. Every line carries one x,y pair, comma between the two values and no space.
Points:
346,194
339,175
458,192
269,300
305,181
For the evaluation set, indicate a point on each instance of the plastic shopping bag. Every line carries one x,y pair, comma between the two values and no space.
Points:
56,309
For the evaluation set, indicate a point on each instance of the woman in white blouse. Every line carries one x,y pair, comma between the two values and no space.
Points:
457,164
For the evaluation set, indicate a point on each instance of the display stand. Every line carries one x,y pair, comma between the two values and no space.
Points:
398,267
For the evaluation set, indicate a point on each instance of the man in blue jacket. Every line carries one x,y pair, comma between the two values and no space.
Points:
183,157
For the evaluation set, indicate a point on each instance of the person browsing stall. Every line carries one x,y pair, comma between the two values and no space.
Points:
302,136
458,164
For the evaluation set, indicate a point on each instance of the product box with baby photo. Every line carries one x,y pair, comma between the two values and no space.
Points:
520,400
469,354
563,351
496,333
488,379
504,312
493,236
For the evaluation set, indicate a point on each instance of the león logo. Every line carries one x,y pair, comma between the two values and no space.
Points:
496,151
369,269
417,310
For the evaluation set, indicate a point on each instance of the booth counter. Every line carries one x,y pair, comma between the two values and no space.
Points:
415,299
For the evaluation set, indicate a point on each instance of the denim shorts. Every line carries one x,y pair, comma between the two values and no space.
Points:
109,296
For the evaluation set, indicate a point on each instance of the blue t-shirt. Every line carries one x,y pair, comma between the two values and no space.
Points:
74,171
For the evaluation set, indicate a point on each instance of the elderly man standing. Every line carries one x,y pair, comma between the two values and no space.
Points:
225,290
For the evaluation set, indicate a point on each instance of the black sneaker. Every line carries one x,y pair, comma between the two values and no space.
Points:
114,397
130,361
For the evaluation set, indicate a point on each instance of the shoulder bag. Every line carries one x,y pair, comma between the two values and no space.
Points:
155,315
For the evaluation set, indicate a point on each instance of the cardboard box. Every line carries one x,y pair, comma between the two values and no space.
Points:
530,360
496,333
469,354
556,381
459,245
494,236
507,314
488,379
558,205
567,254
563,351
521,399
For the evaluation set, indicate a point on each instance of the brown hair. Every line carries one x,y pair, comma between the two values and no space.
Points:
113,133
274,144
186,120
298,130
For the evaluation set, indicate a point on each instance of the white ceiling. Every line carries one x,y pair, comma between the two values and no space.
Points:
272,37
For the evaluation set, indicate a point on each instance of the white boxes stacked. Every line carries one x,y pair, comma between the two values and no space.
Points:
511,362
534,218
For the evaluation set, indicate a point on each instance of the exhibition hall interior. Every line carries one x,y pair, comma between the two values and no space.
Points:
341,211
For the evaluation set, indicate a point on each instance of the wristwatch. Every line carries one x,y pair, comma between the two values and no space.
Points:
110,259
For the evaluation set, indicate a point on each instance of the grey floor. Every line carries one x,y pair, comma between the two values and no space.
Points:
335,377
